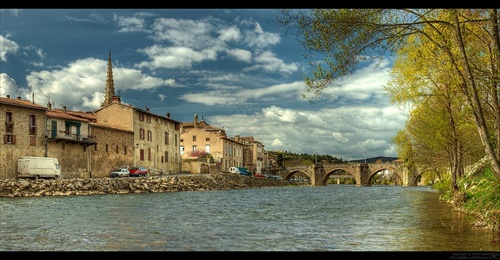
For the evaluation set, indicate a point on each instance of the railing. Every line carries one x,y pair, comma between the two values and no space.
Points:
71,136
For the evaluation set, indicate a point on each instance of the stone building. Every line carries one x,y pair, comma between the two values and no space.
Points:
155,139
254,153
22,132
89,144
68,140
137,138
199,136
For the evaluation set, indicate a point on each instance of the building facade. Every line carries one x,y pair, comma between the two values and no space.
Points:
156,139
22,131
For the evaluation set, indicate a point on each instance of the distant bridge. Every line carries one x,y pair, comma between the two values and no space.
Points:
361,172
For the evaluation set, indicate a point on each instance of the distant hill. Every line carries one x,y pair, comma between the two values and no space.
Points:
375,159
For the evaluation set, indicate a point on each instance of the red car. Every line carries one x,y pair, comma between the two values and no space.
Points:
259,175
138,171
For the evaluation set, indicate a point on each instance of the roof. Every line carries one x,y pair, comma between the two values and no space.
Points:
113,127
64,115
137,109
21,103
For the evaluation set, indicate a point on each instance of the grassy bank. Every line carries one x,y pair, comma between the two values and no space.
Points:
477,195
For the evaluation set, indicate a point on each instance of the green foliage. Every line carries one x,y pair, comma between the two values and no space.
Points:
482,195
477,195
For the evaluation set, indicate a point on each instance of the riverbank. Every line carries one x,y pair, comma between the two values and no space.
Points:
98,186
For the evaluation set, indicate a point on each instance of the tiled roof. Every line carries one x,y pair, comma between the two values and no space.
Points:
61,114
21,103
115,127
87,115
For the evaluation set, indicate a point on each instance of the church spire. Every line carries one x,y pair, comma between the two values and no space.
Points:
110,85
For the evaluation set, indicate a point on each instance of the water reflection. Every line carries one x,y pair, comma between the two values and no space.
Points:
332,218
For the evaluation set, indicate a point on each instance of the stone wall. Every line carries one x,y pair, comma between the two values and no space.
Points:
188,182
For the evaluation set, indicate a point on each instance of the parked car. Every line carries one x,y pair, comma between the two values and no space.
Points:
270,176
138,171
240,170
259,175
122,172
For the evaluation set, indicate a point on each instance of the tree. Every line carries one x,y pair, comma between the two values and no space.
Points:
467,41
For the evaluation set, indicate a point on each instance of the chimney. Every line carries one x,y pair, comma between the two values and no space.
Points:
64,109
8,96
168,115
49,106
147,109
18,97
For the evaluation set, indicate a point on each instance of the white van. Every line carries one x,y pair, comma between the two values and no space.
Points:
38,167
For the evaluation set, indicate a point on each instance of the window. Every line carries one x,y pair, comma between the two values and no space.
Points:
194,138
67,129
9,139
207,139
32,125
32,140
141,116
194,148
207,148
141,133
124,150
166,156
116,149
9,124
149,154
150,135
107,148
182,149
148,118
175,139
141,152
166,137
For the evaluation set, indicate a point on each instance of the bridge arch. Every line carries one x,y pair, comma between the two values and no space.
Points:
362,172
290,174
332,171
388,168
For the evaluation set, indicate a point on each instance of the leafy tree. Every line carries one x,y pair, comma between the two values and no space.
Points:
465,40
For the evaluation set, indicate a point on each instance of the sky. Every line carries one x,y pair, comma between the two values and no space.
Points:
236,68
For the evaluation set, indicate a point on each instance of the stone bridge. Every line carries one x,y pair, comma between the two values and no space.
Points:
362,172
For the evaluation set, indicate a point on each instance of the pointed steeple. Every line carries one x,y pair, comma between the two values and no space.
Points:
110,85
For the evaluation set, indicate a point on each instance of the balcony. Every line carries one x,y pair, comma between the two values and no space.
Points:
71,138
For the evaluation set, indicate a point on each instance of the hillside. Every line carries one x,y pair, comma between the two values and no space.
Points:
375,159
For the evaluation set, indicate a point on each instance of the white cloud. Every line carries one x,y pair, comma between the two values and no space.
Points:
86,80
7,47
8,86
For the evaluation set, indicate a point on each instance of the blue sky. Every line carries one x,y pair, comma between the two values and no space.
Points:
236,68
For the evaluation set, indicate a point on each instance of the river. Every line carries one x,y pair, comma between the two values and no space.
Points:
331,218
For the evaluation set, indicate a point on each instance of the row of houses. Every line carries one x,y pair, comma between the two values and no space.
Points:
92,144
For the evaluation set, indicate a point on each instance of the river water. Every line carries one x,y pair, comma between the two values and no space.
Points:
331,218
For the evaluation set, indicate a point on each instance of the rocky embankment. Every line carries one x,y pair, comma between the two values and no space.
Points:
77,187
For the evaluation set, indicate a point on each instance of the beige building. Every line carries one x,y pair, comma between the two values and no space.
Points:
255,154
68,139
22,132
89,144
198,137
155,142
